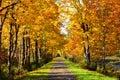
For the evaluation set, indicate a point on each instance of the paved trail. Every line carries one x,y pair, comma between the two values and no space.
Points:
59,71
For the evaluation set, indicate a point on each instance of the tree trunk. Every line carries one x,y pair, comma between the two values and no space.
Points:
23,50
104,47
0,2
10,50
87,54
36,52
0,32
0,36
86,46
40,49
20,52
118,43
28,53
1,26
33,55
16,39
12,45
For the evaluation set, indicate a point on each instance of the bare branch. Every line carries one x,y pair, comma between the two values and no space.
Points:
8,6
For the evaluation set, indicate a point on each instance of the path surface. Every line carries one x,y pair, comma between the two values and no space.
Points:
59,71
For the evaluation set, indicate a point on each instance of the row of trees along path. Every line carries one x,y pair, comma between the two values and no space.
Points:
35,30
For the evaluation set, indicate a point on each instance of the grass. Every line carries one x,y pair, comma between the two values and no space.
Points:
39,74
83,74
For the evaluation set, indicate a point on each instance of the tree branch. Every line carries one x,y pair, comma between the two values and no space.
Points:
5,17
8,6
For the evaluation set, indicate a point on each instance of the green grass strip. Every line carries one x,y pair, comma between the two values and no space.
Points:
84,74
40,73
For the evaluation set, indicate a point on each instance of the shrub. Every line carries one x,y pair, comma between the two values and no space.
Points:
73,59
4,72
3,57
47,58
83,64
93,66
17,73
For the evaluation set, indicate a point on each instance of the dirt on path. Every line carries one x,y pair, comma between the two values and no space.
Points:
59,71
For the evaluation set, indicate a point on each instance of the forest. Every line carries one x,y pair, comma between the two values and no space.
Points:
33,32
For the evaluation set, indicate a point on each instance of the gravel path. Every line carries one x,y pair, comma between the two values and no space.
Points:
59,71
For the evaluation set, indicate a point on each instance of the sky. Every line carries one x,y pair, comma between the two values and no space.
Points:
58,0
65,23
63,29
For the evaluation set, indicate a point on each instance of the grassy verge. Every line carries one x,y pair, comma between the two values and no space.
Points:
83,74
39,74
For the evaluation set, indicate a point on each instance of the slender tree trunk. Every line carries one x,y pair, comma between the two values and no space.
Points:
12,47
104,47
118,43
0,28
40,49
23,50
45,50
0,32
0,2
1,25
36,52
26,50
87,53
16,39
12,41
20,53
28,53
33,55
86,46
10,50
0,38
